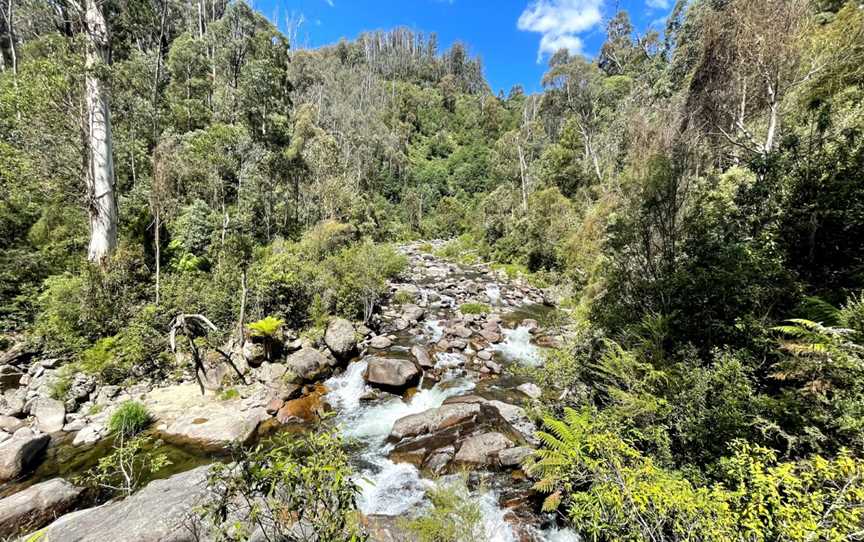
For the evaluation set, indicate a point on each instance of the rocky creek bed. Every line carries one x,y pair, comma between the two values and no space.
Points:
424,394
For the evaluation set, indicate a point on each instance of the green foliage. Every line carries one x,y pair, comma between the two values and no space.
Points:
229,394
453,516
356,278
126,469
403,297
130,418
266,327
474,308
290,483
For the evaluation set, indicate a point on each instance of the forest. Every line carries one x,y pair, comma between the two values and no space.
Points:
628,307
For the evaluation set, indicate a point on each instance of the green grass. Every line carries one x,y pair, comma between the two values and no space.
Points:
129,419
475,308
229,394
402,297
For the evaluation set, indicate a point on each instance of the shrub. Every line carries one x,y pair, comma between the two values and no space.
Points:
229,395
453,517
327,238
293,484
357,278
126,468
266,327
129,419
474,308
282,284
402,297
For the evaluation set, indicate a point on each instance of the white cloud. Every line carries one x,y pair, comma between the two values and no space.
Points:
658,4
559,21
329,2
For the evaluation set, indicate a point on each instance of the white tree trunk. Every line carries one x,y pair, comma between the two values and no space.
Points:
100,163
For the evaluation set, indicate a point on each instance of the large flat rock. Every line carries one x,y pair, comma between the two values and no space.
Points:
20,452
158,513
390,372
36,506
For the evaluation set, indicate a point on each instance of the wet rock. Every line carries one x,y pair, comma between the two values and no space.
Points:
517,419
438,460
434,420
484,355
10,377
158,513
513,457
304,409
531,390
380,342
395,373
36,506
493,367
340,338
400,324
421,355
19,452
531,324
482,449
50,415
491,336
308,364
411,312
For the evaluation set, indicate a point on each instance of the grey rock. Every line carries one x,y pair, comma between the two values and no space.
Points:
460,331
517,419
308,364
340,338
380,342
482,449
10,377
434,420
391,372
160,512
13,402
513,457
10,424
90,434
50,415
531,390
214,428
19,452
411,312
36,506
421,355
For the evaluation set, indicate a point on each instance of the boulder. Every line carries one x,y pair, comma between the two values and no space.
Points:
304,409
13,402
380,342
90,434
482,449
36,506
460,331
513,457
434,420
50,415
19,452
254,353
400,324
517,419
10,377
422,357
340,338
307,364
158,513
531,390
394,373
214,427
412,313
10,424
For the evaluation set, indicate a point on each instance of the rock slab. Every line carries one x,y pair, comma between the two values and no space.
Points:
37,505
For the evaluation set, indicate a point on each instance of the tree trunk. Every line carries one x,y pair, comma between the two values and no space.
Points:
522,175
100,163
158,253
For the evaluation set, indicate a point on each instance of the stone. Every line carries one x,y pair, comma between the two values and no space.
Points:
482,449
340,338
158,513
531,390
383,528
274,405
11,424
106,393
50,415
254,353
90,434
214,427
434,420
308,364
10,377
460,331
458,344
439,459
13,402
491,336
272,374
304,409
412,313
380,342
396,373
485,355
517,419
421,356
493,367
513,457
400,324
531,324
36,506
19,452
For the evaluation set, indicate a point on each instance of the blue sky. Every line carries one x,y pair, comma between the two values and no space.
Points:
511,36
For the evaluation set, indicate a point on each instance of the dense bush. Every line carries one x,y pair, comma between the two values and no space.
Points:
129,419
